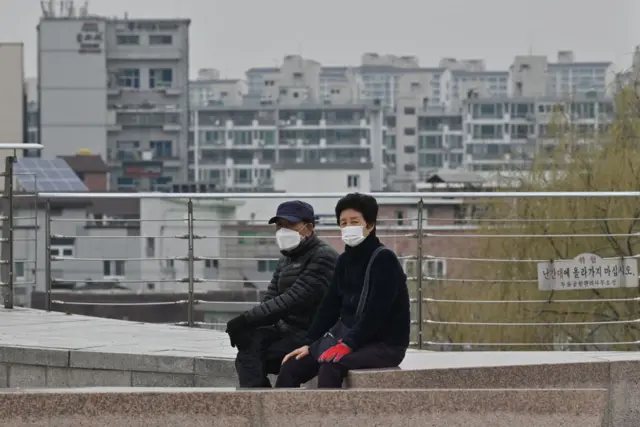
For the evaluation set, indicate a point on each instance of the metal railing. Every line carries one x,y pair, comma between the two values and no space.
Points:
457,300
7,220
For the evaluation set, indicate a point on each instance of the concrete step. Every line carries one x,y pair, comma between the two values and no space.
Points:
137,407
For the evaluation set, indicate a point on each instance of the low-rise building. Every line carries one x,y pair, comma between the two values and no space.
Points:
92,241
91,169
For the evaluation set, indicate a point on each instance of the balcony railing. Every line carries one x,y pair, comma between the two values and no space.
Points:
468,288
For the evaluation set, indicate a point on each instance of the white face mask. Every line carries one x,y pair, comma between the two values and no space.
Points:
352,235
287,239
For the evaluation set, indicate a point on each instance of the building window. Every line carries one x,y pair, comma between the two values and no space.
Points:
126,181
161,149
113,268
265,266
400,217
129,78
62,247
409,149
409,131
210,263
151,247
353,181
161,39
242,176
160,78
435,268
128,39
410,111
409,167
18,270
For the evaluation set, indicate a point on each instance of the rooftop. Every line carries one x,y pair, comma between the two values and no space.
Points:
86,163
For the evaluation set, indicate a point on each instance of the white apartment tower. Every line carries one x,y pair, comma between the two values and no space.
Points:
117,87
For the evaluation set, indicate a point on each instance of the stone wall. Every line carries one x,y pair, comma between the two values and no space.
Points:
26,367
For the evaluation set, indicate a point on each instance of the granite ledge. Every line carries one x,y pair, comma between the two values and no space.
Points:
570,375
192,407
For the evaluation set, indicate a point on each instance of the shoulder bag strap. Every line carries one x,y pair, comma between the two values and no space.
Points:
365,286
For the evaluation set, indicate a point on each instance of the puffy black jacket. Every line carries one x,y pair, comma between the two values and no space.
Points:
299,283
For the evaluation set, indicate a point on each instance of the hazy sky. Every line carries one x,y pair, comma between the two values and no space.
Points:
233,35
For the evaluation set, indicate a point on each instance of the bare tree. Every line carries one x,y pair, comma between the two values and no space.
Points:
605,159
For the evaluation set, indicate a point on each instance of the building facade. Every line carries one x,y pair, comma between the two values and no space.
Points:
119,89
236,148
507,134
164,133
92,243
13,112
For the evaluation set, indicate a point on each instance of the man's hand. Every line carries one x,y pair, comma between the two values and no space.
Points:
236,328
298,353
335,353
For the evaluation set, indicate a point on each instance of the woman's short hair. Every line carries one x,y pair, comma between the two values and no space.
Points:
365,204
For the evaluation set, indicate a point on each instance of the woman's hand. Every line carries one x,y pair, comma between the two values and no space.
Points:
298,353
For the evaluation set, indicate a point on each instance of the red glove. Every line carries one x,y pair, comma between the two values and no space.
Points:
335,353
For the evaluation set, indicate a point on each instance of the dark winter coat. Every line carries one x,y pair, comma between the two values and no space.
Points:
386,317
299,283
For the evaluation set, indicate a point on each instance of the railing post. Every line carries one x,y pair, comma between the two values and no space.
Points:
419,273
47,255
7,234
190,263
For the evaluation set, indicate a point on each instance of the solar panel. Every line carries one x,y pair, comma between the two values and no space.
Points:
35,174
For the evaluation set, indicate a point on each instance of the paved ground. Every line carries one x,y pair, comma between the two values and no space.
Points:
33,328
442,360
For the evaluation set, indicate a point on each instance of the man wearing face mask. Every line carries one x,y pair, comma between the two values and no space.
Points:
269,331
364,321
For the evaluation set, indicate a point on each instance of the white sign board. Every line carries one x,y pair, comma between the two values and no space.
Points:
588,271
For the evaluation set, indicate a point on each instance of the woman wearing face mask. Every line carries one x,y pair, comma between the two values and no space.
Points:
267,332
364,321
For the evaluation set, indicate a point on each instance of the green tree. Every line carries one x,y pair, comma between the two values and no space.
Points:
580,161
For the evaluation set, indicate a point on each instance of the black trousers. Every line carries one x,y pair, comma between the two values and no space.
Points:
331,375
263,355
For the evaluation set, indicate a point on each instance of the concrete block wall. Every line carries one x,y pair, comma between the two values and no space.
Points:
29,367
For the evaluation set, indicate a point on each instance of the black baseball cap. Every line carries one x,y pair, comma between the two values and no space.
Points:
294,211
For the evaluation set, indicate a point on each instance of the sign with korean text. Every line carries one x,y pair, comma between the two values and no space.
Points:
90,38
588,271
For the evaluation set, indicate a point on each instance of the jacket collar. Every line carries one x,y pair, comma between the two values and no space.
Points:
364,249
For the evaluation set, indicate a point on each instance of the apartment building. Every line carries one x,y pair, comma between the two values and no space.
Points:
419,138
534,76
237,147
118,88
210,89
506,134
